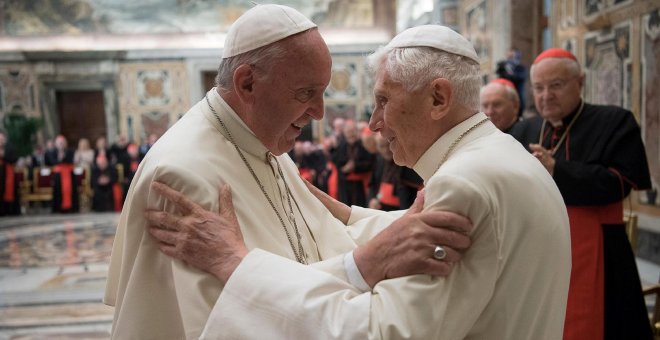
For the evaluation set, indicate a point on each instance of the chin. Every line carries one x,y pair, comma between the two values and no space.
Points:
400,161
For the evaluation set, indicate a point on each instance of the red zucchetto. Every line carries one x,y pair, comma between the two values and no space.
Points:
555,53
504,82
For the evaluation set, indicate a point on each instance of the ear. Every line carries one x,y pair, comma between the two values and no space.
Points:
442,98
243,80
581,80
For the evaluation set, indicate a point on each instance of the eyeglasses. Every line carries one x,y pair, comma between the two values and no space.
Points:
553,86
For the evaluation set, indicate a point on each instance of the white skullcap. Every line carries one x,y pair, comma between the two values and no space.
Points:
435,36
263,25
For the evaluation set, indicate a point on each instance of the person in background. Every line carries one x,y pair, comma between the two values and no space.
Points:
65,187
300,157
101,148
103,179
146,146
38,156
131,168
50,153
84,154
514,71
354,164
384,183
337,131
511,284
499,101
9,185
118,154
596,156
270,85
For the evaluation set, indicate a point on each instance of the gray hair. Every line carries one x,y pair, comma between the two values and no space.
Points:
415,67
267,56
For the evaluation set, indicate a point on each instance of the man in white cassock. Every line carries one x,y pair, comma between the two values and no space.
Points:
511,284
271,81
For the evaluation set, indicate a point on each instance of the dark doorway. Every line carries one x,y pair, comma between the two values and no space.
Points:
81,115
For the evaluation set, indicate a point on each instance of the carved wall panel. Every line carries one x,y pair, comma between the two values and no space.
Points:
650,83
607,65
152,97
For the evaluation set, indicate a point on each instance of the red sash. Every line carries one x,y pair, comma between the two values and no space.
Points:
9,194
306,174
585,317
333,180
117,196
386,195
65,171
363,177
358,177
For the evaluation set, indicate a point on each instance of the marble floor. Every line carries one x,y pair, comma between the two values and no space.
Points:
53,270
52,276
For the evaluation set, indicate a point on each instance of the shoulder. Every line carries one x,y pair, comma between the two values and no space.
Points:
608,117
527,130
607,111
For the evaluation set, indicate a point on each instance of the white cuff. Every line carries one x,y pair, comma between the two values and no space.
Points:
353,273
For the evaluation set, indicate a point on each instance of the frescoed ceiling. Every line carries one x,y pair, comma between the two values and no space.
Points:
76,17
42,26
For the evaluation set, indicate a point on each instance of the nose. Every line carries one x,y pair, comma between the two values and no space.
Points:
316,108
376,121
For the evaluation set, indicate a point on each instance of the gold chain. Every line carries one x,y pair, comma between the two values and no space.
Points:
563,136
453,145
300,254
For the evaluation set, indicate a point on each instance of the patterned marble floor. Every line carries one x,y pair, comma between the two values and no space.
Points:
53,270
52,276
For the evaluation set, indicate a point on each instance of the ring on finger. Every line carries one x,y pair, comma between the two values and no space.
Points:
439,253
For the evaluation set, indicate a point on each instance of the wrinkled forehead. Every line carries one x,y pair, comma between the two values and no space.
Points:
554,68
307,59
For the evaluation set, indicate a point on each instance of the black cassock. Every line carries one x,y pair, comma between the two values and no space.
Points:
600,160
353,186
104,199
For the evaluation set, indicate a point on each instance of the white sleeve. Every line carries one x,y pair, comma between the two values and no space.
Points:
355,278
293,313
268,294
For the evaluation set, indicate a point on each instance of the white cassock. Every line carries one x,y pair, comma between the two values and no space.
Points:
157,298
511,284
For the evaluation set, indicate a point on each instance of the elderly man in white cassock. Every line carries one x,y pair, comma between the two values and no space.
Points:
511,284
271,81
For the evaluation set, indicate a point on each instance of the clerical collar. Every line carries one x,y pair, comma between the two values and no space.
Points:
432,158
568,118
243,136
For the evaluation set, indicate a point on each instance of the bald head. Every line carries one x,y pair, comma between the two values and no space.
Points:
500,103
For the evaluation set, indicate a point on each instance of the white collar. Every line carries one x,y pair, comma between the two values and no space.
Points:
240,132
431,160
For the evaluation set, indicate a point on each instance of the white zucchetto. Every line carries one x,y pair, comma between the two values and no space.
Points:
439,37
263,25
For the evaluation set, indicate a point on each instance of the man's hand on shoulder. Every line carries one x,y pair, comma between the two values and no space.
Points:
407,246
203,239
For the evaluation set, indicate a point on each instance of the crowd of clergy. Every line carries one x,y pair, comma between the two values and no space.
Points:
62,179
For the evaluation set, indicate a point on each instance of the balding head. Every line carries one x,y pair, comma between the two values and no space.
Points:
500,103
